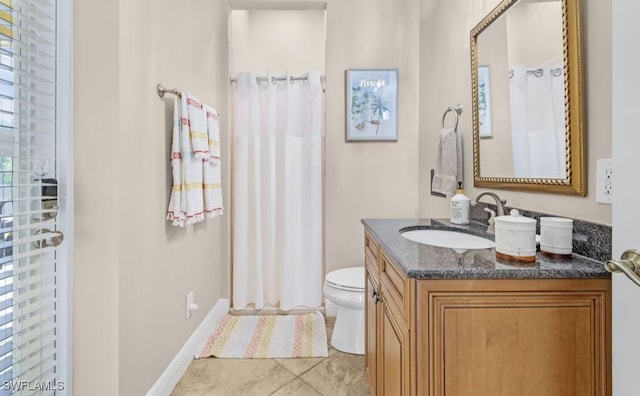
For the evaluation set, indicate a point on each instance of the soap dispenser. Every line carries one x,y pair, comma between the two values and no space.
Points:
460,207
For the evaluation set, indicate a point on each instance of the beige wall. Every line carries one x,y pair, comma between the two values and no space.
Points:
370,179
545,19
277,40
132,269
96,269
523,48
365,179
493,51
446,79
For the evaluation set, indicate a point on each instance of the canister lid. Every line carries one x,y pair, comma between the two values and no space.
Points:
557,222
515,217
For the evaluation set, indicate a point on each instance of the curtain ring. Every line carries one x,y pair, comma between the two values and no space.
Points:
538,73
291,81
273,81
510,73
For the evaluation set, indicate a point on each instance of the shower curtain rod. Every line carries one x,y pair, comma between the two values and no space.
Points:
260,79
557,72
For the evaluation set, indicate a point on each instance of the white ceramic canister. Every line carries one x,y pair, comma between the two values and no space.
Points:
556,236
516,237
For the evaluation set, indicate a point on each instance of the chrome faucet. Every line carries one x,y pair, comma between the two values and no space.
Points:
500,204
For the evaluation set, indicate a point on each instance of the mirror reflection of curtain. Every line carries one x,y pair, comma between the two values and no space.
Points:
537,121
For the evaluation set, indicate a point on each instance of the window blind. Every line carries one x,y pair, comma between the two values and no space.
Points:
28,190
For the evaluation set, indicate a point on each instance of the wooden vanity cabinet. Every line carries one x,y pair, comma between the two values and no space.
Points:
525,337
487,337
371,332
372,312
394,349
387,336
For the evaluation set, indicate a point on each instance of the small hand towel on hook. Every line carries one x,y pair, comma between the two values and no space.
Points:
448,170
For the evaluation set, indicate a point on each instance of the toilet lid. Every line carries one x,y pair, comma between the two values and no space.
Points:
347,278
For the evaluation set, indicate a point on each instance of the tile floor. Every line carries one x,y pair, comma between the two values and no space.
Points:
339,374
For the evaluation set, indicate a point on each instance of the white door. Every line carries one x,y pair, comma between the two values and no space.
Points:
626,199
34,113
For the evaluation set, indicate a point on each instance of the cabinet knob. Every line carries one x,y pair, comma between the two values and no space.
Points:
376,296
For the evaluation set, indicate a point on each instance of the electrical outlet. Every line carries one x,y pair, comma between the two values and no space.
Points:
604,181
189,304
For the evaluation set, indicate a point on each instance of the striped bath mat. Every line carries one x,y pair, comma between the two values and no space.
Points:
268,336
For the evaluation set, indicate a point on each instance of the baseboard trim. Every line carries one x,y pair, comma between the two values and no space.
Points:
176,369
274,311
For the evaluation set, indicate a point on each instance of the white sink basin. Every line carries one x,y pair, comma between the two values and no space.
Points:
448,239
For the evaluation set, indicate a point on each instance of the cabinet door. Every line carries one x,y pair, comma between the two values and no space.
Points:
370,335
486,343
394,356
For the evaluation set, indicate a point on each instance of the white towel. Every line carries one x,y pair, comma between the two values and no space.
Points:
197,128
176,212
186,205
211,168
213,131
448,170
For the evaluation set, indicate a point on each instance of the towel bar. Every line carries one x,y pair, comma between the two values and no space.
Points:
161,90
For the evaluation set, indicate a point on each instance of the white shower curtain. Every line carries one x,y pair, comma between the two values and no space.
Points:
277,196
537,121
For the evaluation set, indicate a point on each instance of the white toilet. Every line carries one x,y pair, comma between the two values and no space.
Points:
345,288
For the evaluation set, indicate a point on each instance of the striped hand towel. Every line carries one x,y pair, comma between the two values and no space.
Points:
197,128
176,212
186,205
211,168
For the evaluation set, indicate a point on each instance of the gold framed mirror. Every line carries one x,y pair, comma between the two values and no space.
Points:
528,97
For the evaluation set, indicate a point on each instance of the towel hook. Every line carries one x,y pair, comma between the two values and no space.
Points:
457,110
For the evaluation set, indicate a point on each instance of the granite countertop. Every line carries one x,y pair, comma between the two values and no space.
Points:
422,261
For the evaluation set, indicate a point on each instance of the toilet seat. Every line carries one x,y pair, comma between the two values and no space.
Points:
349,279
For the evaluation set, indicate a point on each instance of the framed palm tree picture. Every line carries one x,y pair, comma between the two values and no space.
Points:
372,104
484,101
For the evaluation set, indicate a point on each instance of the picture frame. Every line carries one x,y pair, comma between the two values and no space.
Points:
371,104
484,101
